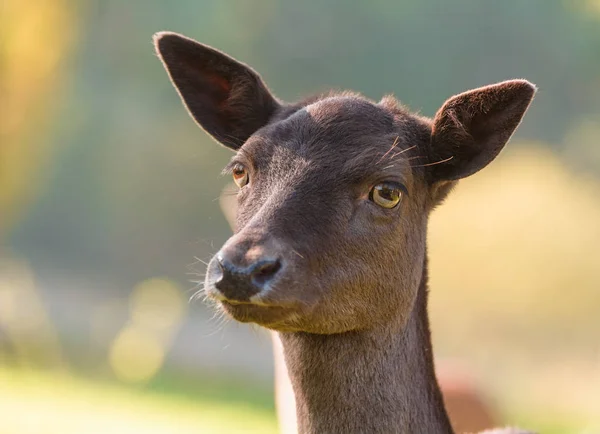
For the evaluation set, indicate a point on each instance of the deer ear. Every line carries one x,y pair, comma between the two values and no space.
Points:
225,97
471,128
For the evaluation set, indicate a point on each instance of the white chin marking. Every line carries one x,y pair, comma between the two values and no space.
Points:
257,299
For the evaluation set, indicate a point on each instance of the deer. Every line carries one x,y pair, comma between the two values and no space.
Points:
329,249
466,403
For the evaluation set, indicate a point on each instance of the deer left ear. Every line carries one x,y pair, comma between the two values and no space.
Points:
471,128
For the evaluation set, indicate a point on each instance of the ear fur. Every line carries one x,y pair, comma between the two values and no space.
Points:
471,128
226,98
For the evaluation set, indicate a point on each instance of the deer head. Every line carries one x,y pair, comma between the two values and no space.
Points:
334,192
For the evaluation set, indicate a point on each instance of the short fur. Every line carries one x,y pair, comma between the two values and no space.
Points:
350,298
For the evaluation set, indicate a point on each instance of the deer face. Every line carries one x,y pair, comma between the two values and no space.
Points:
334,193
331,219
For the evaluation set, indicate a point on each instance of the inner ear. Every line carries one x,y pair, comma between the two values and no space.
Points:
471,128
226,98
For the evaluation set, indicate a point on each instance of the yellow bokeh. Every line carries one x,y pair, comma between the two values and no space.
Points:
157,304
514,272
157,307
136,355
35,38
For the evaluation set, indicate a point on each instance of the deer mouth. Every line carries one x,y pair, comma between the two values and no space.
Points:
269,316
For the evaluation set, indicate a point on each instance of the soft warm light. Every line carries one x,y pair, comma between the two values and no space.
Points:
157,304
23,318
8,307
136,355
157,309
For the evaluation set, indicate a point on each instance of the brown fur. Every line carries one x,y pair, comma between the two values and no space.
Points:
349,294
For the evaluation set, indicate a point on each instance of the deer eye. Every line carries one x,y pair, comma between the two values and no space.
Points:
240,175
386,195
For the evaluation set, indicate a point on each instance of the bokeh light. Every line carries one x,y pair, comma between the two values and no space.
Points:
136,355
138,351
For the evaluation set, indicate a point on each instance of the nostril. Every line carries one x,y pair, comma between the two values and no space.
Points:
264,271
237,282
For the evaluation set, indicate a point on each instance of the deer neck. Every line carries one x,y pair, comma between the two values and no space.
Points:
376,381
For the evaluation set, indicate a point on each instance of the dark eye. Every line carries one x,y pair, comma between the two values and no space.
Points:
240,175
386,194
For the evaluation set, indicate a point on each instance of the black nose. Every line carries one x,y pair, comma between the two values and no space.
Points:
238,283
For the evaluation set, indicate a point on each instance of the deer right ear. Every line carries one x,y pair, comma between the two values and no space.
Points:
471,128
225,97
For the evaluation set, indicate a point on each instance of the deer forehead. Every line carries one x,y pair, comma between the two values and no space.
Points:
339,136
348,117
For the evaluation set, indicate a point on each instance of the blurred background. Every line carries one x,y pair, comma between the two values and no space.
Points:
109,204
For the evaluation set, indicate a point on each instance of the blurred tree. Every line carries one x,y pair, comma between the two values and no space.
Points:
133,193
35,38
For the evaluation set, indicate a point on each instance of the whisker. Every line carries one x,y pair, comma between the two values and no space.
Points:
200,260
221,319
406,150
195,291
433,164
396,141
200,240
196,295
226,194
402,152
294,251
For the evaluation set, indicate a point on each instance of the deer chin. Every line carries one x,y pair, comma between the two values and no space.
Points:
279,318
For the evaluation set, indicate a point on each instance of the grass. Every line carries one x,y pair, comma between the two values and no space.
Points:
43,402
48,403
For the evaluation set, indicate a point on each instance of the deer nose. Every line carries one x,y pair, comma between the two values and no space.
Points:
239,283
